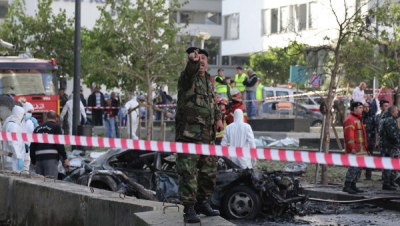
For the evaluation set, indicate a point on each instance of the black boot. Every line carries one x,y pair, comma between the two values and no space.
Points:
354,187
203,207
397,181
388,187
347,188
190,215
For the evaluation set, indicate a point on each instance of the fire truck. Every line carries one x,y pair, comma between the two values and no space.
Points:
30,80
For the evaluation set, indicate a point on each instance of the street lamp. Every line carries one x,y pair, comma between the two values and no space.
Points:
203,36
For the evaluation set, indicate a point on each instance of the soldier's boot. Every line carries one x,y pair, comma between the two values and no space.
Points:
354,187
388,187
347,188
397,181
203,207
190,215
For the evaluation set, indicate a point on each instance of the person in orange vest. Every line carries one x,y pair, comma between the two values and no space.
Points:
222,104
355,140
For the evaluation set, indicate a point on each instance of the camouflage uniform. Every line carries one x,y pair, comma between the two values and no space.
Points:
370,127
378,120
196,115
389,141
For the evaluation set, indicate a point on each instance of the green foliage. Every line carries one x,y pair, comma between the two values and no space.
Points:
134,45
45,35
273,66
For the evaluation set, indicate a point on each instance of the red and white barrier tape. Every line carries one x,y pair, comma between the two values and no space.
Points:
215,150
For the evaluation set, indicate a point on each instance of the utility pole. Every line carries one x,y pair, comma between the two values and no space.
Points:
77,67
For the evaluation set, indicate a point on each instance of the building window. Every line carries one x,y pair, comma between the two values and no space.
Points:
3,9
289,18
194,17
232,26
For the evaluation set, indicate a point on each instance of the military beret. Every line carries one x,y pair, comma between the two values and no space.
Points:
201,51
356,104
382,102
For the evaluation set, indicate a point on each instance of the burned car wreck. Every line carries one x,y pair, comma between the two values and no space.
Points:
151,175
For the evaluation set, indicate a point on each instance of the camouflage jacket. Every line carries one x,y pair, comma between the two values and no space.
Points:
378,118
370,127
197,111
389,134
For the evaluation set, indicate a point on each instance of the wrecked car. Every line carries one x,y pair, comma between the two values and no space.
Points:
151,175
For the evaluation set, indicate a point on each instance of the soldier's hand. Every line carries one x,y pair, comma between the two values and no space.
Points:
194,56
219,125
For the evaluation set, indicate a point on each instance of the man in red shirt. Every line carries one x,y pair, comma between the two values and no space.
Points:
355,140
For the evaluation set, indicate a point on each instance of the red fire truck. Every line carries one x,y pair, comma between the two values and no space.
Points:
31,80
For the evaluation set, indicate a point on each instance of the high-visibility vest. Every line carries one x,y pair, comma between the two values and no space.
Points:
220,88
259,93
239,82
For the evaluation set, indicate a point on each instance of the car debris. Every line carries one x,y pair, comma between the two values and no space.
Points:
241,194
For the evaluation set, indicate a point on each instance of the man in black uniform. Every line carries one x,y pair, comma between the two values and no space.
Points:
44,157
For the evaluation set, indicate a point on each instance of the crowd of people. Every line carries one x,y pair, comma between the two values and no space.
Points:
371,131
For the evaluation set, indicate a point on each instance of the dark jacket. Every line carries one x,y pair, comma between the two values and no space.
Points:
389,134
370,124
115,103
92,100
83,100
48,127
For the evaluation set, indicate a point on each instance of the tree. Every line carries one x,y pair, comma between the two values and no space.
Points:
388,38
351,24
273,66
45,35
135,46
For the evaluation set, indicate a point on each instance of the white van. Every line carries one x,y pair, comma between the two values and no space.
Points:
292,95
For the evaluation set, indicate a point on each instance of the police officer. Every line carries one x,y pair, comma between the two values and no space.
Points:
196,121
355,138
389,142
369,123
383,105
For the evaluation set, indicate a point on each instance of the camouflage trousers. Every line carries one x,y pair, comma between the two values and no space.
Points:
197,177
388,176
353,174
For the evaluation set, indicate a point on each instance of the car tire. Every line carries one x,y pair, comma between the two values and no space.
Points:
241,202
296,168
317,124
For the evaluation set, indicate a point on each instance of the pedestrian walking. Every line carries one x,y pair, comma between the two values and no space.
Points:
389,144
96,99
368,119
68,107
196,121
239,134
251,87
355,140
13,125
45,156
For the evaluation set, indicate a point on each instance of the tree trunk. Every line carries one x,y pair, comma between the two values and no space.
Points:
150,121
328,120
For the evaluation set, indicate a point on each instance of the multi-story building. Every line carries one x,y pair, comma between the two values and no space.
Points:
253,26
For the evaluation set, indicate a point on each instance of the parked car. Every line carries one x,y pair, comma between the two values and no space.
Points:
269,110
286,94
152,175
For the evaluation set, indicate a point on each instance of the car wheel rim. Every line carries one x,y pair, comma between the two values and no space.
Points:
240,205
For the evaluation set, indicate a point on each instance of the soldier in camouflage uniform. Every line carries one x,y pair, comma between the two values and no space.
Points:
196,121
355,139
383,105
370,127
389,142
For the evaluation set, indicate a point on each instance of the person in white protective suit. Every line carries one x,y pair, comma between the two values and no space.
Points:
133,122
13,125
68,107
27,126
239,134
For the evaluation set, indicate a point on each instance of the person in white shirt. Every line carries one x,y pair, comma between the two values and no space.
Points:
69,108
132,123
358,93
239,134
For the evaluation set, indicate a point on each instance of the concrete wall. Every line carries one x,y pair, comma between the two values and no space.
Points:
32,201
